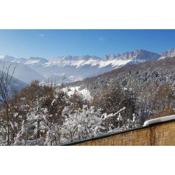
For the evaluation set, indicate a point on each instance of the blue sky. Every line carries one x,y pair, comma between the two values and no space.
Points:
53,43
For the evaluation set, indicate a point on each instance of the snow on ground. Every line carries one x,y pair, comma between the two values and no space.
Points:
114,63
31,62
92,62
77,89
159,120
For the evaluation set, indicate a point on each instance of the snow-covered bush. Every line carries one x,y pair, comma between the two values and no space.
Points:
81,124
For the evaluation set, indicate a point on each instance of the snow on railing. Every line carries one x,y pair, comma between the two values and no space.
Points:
159,120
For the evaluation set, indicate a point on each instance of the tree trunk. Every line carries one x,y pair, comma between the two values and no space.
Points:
8,124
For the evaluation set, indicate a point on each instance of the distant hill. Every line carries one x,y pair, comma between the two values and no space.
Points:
134,76
22,71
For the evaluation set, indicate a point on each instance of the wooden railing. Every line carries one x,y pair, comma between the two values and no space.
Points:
157,132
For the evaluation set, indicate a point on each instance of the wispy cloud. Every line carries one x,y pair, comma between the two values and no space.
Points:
101,38
42,35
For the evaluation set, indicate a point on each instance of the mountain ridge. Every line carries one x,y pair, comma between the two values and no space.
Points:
74,68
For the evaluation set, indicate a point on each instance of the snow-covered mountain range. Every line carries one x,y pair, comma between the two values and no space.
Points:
73,68
168,53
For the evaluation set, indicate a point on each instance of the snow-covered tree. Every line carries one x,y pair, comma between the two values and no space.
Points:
81,124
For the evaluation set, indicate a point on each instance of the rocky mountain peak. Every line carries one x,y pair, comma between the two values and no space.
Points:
169,53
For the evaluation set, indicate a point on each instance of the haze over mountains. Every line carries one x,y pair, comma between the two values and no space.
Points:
72,68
